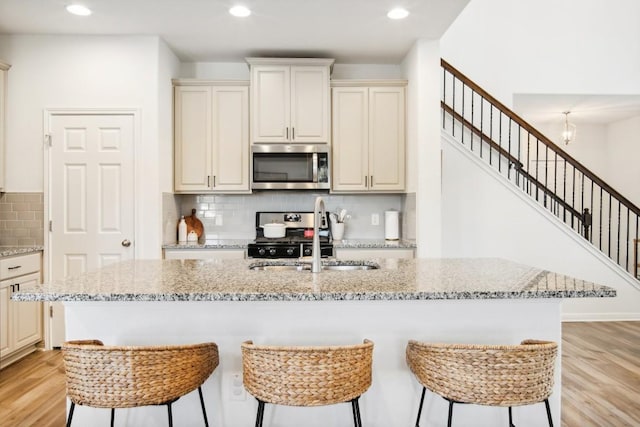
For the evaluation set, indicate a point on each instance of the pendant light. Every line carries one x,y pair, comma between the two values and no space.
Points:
569,129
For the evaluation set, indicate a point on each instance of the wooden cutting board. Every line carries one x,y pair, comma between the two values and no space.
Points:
193,223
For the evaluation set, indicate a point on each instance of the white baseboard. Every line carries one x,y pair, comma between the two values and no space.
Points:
600,317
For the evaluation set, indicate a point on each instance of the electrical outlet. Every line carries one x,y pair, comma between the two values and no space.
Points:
375,219
236,389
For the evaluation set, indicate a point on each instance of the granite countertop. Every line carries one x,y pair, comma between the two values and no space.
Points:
6,251
350,243
232,280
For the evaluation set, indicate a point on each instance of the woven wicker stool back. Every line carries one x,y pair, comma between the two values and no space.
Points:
496,375
125,377
307,376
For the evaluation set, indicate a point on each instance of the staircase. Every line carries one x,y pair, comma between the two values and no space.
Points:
541,169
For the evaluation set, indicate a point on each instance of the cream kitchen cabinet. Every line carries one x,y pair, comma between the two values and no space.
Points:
211,140
368,137
4,68
20,322
290,100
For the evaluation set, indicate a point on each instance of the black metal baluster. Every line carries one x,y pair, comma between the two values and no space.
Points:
619,218
462,114
555,177
537,163
500,142
509,168
473,123
528,168
453,105
600,232
444,95
564,190
481,122
591,235
573,192
490,131
546,168
609,242
626,263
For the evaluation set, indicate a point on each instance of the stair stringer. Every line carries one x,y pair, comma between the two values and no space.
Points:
480,205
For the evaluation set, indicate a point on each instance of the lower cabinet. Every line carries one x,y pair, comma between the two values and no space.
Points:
20,322
204,254
368,253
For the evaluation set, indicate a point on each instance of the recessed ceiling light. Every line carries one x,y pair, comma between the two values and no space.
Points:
398,13
78,9
240,11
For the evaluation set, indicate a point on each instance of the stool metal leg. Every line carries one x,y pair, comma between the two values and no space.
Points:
260,413
424,389
510,418
170,414
359,420
353,411
73,406
113,415
546,404
450,413
204,411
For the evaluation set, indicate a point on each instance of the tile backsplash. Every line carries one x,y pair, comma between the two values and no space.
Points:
229,216
21,219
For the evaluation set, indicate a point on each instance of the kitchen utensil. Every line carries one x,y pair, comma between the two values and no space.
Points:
193,223
342,215
274,230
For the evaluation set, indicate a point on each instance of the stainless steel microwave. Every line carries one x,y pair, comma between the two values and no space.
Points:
290,167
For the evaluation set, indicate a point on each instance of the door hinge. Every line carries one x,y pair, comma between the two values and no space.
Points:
50,225
47,139
50,311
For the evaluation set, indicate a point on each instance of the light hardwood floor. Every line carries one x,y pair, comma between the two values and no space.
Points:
600,380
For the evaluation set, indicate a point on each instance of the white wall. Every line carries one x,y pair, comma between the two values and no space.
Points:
240,71
623,149
485,217
547,46
421,67
88,72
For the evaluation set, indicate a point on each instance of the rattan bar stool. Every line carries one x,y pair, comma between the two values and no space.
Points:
128,376
494,375
307,376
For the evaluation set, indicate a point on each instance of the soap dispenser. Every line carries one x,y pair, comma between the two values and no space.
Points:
182,231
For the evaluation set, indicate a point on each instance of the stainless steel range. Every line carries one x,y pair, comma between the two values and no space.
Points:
297,239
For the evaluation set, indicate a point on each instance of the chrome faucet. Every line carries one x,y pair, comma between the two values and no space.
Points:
318,214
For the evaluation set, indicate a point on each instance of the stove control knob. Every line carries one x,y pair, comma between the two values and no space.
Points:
290,251
307,251
261,252
272,251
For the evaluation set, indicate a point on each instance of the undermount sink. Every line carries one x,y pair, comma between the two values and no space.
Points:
331,266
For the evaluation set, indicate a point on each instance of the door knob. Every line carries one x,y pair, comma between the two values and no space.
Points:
126,243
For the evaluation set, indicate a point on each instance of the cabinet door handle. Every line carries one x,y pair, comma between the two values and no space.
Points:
17,287
371,181
287,134
365,181
208,180
15,267
214,181
293,134
13,288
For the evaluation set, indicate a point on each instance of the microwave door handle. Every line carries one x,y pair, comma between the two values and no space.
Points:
315,167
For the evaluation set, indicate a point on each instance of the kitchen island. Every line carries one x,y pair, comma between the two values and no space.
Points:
446,300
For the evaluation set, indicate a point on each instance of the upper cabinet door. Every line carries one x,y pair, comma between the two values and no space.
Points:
310,104
192,142
386,138
350,139
270,103
230,135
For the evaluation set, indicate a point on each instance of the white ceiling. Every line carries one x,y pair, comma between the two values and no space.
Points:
352,31
594,109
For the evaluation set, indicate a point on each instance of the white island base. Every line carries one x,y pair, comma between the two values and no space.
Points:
394,395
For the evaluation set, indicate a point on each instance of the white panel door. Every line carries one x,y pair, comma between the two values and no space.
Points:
91,193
